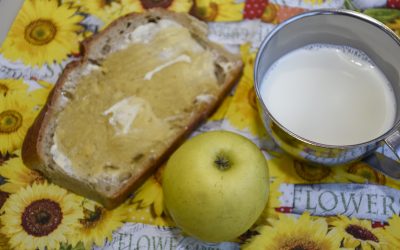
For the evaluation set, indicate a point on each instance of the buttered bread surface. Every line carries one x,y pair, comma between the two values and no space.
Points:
132,103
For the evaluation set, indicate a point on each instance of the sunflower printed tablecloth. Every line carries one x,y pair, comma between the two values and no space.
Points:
307,209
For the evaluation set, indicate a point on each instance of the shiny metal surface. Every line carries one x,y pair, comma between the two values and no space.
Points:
338,27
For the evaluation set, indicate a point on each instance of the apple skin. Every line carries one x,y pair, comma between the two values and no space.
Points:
211,203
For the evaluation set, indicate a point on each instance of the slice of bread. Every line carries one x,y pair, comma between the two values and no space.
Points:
142,85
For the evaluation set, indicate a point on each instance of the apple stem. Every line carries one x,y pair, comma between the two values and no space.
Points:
222,162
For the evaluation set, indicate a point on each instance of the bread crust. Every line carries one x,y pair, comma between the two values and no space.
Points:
33,154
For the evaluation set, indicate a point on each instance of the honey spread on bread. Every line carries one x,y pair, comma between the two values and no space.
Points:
134,100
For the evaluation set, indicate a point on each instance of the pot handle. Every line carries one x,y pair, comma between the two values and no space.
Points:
386,164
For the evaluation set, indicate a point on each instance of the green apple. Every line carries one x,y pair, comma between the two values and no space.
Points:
216,185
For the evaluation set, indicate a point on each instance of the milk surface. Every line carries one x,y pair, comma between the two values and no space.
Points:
329,94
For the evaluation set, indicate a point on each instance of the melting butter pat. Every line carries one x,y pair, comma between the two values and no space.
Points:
181,58
205,98
123,113
60,158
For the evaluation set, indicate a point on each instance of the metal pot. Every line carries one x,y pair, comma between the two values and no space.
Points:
338,27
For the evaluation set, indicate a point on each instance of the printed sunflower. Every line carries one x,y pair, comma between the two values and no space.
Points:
147,205
218,10
106,10
40,216
18,175
17,112
291,170
270,14
98,224
269,211
9,86
3,197
95,5
366,172
146,215
142,5
242,112
72,3
393,230
43,32
290,233
4,158
220,113
39,96
150,194
359,233
4,242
